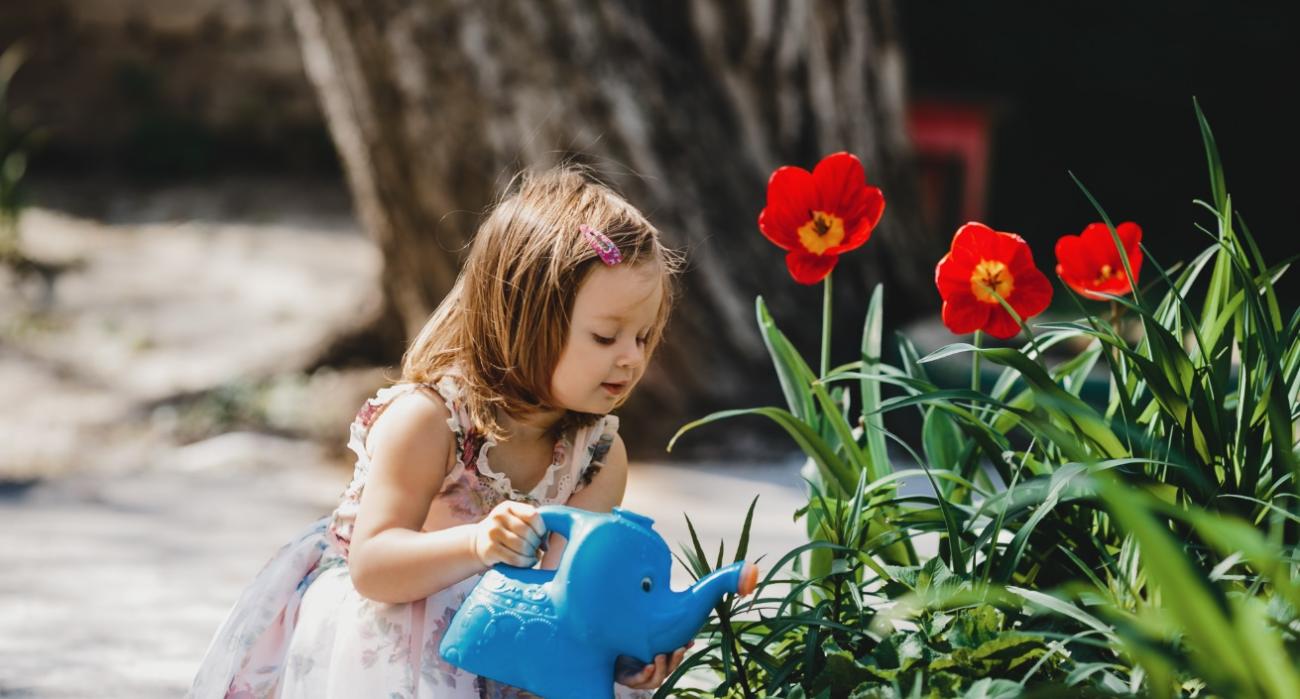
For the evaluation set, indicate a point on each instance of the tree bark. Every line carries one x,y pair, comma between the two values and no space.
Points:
685,107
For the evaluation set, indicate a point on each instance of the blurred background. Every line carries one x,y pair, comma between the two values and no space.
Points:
221,221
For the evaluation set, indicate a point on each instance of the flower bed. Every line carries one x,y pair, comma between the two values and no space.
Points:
1145,546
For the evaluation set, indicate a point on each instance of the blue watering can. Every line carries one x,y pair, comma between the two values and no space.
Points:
557,633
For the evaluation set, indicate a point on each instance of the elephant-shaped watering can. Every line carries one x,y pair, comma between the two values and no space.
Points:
557,633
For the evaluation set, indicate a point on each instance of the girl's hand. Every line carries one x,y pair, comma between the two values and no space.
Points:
654,674
509,534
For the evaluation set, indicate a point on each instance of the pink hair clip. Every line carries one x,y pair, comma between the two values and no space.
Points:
601,243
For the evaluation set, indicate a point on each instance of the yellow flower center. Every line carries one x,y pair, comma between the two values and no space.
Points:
991,279
822,231
1105,275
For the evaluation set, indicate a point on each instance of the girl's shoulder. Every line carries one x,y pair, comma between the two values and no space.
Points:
442,397
408,411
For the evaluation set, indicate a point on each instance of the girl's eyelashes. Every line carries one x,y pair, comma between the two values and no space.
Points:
602,340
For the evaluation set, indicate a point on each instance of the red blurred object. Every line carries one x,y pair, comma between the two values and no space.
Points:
952,144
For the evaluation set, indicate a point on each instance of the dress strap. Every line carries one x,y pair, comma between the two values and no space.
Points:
471,446
597,443
472,449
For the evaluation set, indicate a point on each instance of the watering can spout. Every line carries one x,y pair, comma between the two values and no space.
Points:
692,606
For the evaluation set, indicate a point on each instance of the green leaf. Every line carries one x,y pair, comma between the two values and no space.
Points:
940,439
1065,408
1064,608
1186,594
792,371
832,417
989,688
1263,647
742,548
1217,183
699,562
975,627
910,359
872,420
842,672
808,440
1010,558
1270,295
1230,535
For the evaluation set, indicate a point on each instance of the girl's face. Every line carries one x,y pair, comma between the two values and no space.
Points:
605,354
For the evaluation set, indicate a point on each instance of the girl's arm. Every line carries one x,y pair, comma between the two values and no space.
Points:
604,493
390,559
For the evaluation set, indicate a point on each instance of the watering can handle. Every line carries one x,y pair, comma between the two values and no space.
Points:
559,519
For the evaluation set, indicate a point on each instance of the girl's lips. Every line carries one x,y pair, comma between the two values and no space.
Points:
614,388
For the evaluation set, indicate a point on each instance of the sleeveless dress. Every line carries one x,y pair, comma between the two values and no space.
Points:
301,629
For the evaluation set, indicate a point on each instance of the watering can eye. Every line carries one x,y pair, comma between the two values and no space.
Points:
646,583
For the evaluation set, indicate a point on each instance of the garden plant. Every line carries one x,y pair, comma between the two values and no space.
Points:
1144,543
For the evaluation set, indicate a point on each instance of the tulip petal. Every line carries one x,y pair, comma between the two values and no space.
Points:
1116,286
972,243
1071,262
1131,235
1081,259
1099,249
1000,324
1097,235
1033,293
791,198
809,269
1079,285
839,179
862,220
963,313
842,190
1014,253
774,232
952,276
1089,289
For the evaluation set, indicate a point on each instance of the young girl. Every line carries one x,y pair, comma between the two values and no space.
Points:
504,405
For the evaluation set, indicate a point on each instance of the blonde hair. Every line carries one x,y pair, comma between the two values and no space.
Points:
505,321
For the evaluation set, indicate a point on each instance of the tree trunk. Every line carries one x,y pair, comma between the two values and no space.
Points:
685,107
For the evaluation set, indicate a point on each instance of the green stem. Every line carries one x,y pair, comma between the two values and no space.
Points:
975,364
1033,340
993,541
826,326
1115,310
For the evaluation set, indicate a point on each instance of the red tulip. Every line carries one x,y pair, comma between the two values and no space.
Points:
1090,262
821,215
983,261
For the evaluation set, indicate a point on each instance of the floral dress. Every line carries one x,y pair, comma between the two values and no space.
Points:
302,630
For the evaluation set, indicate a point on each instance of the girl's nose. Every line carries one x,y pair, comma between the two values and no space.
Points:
633,357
